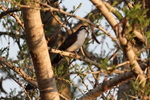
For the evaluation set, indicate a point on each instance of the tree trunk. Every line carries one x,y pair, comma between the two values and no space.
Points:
39,52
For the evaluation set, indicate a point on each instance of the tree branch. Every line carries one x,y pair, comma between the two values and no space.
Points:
7,11
101,7
19,71
51,9
39,52
109,85
76,56
11,34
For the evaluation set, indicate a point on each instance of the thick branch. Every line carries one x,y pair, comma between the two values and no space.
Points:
39,52
101,88
128,49
100,6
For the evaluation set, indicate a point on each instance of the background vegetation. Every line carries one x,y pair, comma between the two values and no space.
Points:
112,64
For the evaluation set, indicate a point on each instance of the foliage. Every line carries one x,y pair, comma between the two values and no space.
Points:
82,76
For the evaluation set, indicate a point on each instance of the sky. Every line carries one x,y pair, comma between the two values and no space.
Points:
85,8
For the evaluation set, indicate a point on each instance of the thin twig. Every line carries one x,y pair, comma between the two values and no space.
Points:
74,55
67,81
18,70
7,11
14,15
49,8
17,82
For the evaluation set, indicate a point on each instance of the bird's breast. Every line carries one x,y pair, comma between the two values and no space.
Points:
79,42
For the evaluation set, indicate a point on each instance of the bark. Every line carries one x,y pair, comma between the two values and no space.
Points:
39,52
109,84
55,37
102,8
127,47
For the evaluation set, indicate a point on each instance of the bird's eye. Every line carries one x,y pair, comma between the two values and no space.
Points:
82,27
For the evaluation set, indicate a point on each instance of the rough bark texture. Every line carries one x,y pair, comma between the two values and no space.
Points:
108,84
102,8
39,52
55,37
128,48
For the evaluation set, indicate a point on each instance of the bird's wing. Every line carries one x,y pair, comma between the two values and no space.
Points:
68,42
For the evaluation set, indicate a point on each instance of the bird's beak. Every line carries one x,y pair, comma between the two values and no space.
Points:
87,29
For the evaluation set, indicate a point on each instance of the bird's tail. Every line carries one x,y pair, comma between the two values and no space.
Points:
57,59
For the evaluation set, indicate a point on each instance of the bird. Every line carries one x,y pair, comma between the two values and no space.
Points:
72,43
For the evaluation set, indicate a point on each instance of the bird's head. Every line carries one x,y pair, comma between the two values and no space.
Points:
84,28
